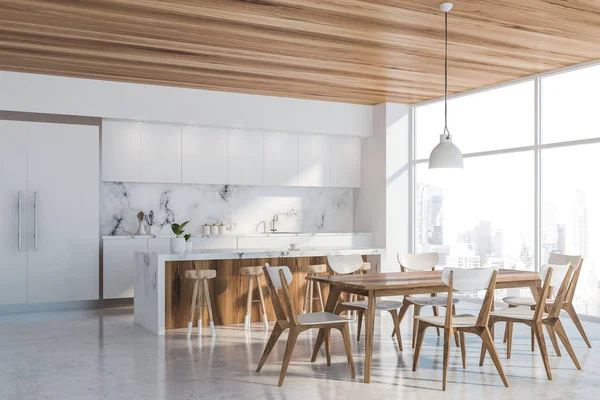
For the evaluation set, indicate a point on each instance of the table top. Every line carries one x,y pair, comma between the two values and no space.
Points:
417,282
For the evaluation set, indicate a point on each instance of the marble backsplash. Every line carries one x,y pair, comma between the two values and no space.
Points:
243,209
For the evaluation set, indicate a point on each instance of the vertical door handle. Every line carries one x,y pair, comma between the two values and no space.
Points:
19,241
35,220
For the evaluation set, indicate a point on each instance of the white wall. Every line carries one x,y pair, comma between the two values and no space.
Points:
106,99
382,204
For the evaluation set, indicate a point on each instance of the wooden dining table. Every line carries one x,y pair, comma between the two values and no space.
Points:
376,285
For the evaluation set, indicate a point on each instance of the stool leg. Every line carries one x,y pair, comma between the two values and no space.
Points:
192,308
200,310
262,302
209,306
305,305
311,295
320,295
248,305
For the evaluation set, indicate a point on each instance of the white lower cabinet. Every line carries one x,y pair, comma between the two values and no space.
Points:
159,245
119,266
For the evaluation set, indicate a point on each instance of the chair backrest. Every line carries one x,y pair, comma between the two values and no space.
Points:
471,280
577,263
418,261
279,278
558,273
564,278
345,265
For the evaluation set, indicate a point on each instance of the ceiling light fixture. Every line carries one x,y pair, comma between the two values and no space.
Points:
445,154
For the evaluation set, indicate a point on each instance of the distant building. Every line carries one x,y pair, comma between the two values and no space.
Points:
561,241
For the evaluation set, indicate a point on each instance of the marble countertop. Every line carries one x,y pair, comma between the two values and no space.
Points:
131,236
233,254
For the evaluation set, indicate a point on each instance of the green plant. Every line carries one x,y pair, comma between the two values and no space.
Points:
187,237
178,228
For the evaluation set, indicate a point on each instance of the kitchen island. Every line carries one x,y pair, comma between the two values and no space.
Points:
163,296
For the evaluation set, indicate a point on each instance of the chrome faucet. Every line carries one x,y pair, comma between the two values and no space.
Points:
275,219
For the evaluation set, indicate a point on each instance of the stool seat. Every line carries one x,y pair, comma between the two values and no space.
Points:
314,269
365,267
251,271
201,274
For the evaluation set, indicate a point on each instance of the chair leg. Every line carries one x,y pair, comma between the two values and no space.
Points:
360,319
402,313
328,346
509,336
507,327
320,294
248,305
575,318
553,339
200,310
436,312
566,342
192,308
311,295
532,339
346,336
539,334
488,342
447,334
289,349
418,345
456,338
277,331
463,350
416,312
262,302
397,328
305,304
209,308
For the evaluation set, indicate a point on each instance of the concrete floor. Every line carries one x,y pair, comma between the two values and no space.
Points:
102,355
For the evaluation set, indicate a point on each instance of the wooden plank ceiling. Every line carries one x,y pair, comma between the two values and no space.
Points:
355,51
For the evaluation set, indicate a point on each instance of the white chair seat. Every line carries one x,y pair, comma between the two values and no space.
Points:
320,318
430,301
382,305
458,321
519,301
524,314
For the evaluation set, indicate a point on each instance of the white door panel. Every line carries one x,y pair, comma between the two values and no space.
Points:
313,161
63,169
13,179
121,151
281,159
204,155
119,266
161,153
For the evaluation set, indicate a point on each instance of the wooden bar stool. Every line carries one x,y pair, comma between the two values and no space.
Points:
309,287
200,278
254,272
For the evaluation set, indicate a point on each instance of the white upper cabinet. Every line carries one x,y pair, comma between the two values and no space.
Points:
313,160
204,155
121,151
161,153
345,158
245,157
281,159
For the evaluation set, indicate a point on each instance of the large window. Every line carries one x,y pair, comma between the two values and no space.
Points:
486,214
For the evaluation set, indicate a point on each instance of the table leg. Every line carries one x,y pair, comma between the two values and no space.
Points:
332,300
370,329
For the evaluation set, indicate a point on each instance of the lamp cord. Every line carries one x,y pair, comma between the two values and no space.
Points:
446,79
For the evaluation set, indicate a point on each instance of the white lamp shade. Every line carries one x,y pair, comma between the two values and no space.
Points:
445,154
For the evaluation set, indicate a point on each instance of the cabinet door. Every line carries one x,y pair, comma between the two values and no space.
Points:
281,159
64,201
159,245
13,180
121,151
245,157
204,155
345,158
313,160
161,153
119,266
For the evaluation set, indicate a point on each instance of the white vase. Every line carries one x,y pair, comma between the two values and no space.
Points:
141,229
151,230
188,247
177,245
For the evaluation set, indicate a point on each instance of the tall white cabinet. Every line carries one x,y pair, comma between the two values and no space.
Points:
54,170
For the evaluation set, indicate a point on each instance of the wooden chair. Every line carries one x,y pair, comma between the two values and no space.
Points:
419,262
279,278
200,278
309,287
556,259
352,264
543,314
252,273
463,280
